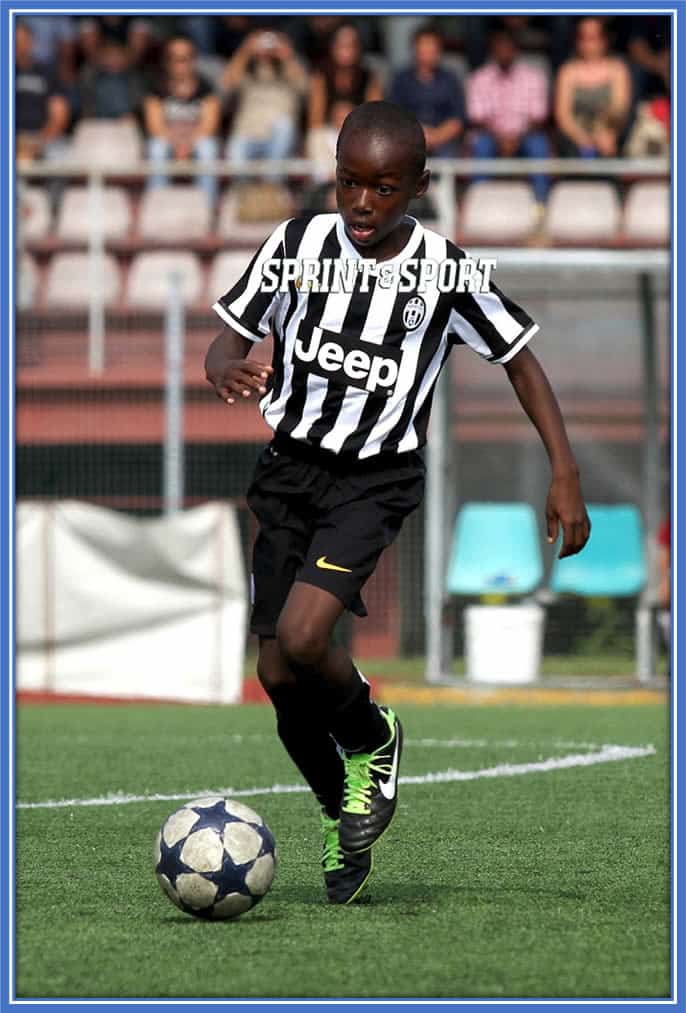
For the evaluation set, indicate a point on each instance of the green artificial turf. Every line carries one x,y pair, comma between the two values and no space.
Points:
548,884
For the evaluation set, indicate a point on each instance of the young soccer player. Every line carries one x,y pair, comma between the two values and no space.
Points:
357,352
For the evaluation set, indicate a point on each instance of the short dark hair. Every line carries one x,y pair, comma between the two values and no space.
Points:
387,119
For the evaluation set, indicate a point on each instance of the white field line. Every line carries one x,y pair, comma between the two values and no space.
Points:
607,754
242,739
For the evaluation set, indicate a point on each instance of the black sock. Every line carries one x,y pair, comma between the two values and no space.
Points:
305,735
357,724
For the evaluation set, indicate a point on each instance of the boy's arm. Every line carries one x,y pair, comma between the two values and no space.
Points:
565,503
228,370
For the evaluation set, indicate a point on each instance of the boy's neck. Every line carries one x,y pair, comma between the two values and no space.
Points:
390,246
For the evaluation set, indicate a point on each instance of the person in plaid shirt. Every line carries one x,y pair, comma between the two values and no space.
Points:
507,101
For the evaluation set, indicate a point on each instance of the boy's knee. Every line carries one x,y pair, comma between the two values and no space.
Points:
275,677
301,643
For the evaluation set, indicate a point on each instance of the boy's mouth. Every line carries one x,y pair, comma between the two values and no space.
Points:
360,233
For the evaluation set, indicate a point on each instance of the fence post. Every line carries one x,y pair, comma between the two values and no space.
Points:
173,476
434,534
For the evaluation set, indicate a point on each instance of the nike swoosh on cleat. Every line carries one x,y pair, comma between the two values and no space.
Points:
323,565
387,788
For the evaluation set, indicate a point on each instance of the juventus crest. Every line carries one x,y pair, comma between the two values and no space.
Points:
414,313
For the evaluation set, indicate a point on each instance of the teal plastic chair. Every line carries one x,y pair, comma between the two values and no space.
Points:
495,550
612,564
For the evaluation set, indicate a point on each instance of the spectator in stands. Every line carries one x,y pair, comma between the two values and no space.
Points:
110,87
592,95
217,36
648,49
132,32
433,93
41,109
313,36
507,100
343,77
54,43
182,115
269,81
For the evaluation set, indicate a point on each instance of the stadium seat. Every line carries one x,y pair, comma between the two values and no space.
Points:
612,564
34,213
148,285
229,225
174,212
495,550
74,216
107,144
498,212
68,282
647,213
225,271
581,212
27,282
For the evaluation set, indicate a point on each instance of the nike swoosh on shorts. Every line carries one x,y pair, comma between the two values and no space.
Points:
323,565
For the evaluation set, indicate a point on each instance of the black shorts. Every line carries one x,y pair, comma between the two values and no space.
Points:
324,521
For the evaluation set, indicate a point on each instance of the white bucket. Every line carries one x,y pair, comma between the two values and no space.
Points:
503,643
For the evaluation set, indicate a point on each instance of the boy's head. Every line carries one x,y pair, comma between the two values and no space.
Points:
381,157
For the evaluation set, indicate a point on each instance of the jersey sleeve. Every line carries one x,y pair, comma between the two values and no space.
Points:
491,324
247,307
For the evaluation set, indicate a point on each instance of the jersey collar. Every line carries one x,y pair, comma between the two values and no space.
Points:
407,250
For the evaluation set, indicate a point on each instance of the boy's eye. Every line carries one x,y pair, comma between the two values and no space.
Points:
346,181
385,190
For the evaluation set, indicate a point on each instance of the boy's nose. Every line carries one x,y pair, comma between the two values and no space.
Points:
362,200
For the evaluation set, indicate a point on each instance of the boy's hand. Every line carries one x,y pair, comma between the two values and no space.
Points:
238,378
565,506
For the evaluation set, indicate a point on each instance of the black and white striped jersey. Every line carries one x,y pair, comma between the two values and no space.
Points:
358,347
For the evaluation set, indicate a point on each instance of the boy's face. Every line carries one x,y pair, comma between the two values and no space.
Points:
376,179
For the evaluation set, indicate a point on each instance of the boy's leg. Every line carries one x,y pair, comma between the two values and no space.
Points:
304,636
303,731
302,727
370,737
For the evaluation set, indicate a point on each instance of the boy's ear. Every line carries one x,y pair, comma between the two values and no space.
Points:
423,183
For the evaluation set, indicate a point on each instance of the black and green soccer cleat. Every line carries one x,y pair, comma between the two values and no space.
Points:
345,875
370,792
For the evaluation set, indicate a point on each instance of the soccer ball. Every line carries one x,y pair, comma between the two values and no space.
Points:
215,858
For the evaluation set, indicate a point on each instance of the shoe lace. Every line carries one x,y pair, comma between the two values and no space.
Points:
358,781
332,855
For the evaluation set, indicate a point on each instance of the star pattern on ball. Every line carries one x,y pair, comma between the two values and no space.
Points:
170,863
212,816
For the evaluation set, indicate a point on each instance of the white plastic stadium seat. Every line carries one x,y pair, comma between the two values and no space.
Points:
27,282
107,144
225,271
68,281
581,212
74,216
646,213
495,211
174,212
149,278
33,212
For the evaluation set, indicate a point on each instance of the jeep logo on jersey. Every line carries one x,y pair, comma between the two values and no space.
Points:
414,313
345,360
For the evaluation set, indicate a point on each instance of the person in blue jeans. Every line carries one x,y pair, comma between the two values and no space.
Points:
268,82
433,94
182,116
508,104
